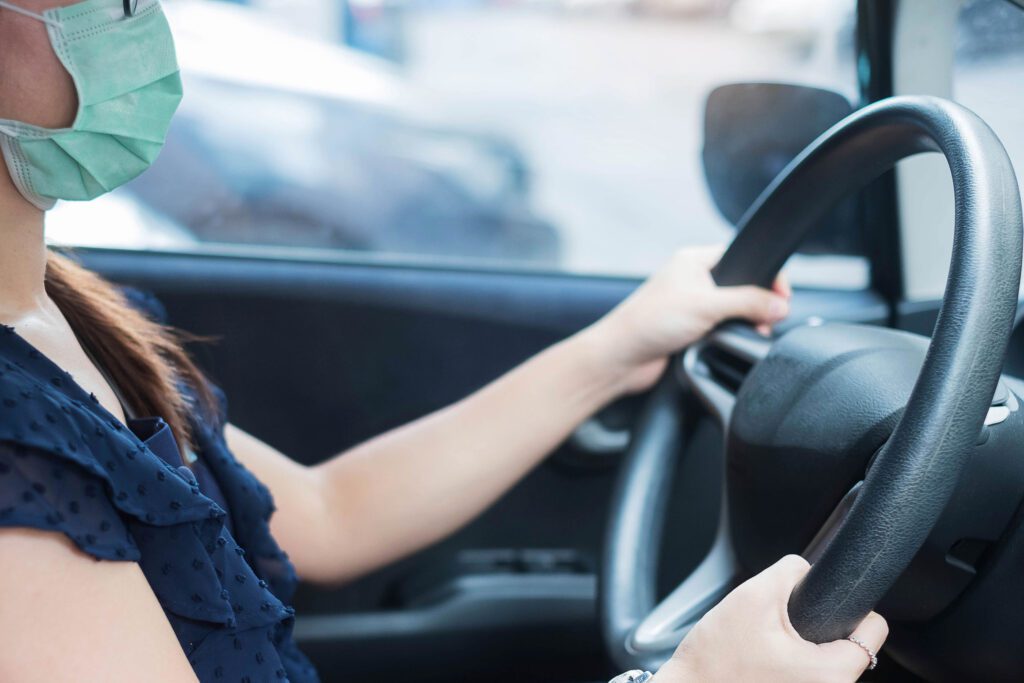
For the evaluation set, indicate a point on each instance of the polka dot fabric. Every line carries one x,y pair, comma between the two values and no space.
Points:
68,465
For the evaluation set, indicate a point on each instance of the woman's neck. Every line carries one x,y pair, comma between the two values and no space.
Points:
22,254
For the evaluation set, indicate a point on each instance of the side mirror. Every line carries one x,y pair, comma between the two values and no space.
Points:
751,131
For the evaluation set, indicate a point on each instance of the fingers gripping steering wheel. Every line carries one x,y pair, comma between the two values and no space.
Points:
911,477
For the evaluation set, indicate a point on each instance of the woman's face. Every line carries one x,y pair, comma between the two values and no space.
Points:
34,86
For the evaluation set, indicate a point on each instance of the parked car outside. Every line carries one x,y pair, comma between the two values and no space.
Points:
344,155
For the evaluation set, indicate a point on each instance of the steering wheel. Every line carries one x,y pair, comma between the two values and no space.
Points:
810,412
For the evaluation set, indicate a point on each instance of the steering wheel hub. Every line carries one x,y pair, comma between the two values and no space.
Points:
807,420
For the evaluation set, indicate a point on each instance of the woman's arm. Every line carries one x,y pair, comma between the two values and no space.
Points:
415,485
65,616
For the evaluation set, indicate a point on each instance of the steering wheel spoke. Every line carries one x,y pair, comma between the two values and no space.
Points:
645,634
668,623
714,369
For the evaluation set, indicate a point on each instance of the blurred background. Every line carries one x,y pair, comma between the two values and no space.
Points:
553,134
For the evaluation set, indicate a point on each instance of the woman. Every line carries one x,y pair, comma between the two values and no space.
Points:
133,544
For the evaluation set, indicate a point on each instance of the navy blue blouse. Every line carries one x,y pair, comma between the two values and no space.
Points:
120,492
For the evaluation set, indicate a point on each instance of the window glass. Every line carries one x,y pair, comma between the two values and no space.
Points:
560,134
988,72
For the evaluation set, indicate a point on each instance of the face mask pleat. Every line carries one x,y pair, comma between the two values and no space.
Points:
121,162
145,117
46,156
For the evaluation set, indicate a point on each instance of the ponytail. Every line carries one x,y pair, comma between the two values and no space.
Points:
145,359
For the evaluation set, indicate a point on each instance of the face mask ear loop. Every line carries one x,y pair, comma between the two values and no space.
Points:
27,13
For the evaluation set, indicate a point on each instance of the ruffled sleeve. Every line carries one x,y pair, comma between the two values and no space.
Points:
42,491
68,465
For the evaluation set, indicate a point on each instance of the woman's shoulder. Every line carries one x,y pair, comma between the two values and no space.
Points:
66,464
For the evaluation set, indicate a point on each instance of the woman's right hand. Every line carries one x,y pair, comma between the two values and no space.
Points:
748,637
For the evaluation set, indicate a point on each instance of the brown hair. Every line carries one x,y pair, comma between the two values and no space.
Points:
144,358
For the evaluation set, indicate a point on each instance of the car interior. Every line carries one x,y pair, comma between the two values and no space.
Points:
877,431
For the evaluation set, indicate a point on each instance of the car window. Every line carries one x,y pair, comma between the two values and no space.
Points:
988,70
554,134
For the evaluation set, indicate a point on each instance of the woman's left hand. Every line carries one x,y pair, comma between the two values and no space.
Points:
678,305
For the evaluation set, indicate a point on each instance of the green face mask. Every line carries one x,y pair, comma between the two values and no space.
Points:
126,75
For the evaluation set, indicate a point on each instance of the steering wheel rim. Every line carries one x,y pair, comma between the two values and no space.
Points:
916,471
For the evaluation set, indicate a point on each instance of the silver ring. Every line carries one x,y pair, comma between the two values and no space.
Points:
860,643
634,676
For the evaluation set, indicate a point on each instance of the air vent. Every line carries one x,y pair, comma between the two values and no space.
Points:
725,368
